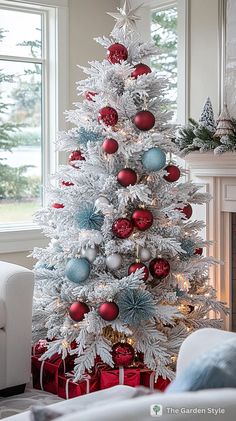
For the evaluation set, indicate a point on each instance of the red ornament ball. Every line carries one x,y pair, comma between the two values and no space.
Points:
108,311
58,205
89,95
159,268
140,69
122,354
142,219
77,311
117,53
144,120
199,251
138,265
187,211
122,228
127,177
75,156
173,173
110,146
108,116
67,183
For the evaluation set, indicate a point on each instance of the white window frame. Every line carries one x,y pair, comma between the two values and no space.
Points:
23,237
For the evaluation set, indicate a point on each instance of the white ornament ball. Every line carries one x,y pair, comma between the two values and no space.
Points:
102,200
89,253
144,254
114,261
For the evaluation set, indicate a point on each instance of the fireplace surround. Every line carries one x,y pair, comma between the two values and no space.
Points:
217,176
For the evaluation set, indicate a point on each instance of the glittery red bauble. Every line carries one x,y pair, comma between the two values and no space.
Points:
77,311
199,251
122,228
142,219
187,211
127,177
108,311
110,146
89,95
144,120
67,183
75,156
173,173
116,53
57,205
108,116
159,268
122,354
140,69
135,266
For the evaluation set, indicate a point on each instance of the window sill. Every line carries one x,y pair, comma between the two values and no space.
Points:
21,238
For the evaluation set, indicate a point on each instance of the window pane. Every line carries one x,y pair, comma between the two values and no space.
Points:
164,33
20,33
20,140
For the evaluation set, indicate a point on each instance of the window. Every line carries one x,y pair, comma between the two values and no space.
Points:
164,33
30,88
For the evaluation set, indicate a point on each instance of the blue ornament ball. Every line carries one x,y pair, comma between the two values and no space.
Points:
154,159
77,270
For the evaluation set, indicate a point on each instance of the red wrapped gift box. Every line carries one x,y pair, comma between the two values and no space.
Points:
111,377
68,389
45,373
40,347
148,380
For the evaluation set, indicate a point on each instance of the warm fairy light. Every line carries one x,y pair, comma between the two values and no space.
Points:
65,344
173,359
130,341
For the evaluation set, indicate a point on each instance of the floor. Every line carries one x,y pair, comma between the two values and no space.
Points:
20,403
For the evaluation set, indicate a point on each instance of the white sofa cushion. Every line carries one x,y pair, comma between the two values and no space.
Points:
2,314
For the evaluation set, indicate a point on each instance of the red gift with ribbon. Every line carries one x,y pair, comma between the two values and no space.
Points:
68,388
148,380
39,347
45,373
112,377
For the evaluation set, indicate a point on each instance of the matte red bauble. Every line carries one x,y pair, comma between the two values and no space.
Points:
173,173
67,183
110,146
159,268
199,251
108,311
144,120
137,265
57,205
122,228
77,311
108,116
140,69
122,354
89,95
116,53
142,219
75,156
127,177
187,211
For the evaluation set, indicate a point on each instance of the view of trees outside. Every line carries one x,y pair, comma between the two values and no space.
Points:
20,116
164,33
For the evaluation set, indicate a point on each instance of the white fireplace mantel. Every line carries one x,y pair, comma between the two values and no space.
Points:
217,175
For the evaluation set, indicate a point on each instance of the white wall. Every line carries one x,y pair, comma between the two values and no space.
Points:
87,19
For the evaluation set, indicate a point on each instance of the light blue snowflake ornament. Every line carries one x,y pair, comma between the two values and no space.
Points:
136,306
189,247
85,136
77,270
154,159
179,292
89,218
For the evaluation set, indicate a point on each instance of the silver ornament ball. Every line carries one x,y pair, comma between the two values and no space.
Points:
101,200
144,254
114,261
89,253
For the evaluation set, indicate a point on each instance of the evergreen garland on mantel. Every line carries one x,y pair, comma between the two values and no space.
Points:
202,137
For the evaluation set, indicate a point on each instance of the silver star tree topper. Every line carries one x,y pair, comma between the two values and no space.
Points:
127,17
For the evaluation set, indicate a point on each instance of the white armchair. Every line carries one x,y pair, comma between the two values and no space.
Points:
16,294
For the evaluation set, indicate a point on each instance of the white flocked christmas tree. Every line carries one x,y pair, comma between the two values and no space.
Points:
124,262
